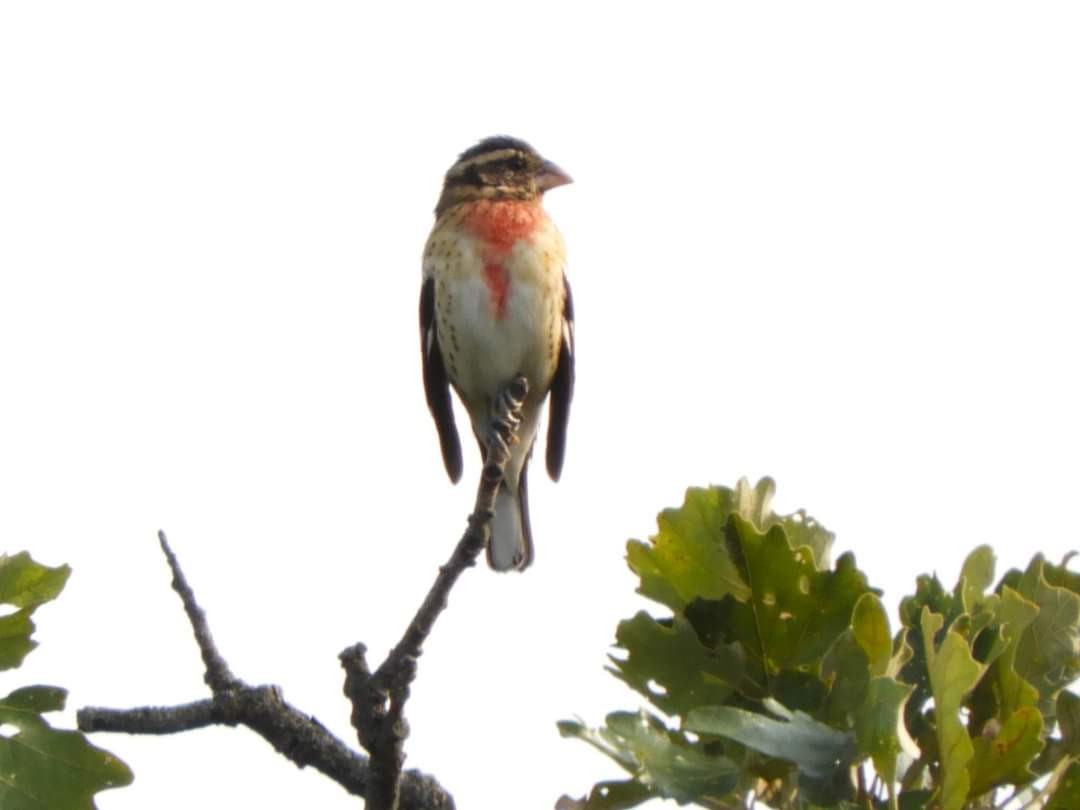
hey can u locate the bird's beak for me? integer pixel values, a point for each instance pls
(551, 176)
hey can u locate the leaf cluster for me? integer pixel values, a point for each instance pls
(42, 767)
(775, 677)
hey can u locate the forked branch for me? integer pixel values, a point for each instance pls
(378, 699)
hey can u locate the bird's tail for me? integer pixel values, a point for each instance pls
(511, 546)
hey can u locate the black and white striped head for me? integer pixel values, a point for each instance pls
(499, 168)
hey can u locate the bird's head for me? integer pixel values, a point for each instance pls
(499, 168)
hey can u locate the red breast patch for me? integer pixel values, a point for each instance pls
(498, 224)
(498, 283)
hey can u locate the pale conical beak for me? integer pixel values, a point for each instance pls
(551, 176)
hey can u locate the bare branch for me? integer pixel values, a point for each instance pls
(150, 719)
(297, 736)
(294, 734)
(217, 677)
(379, 699)
(475, 538)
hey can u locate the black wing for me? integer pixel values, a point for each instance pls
(562, 390)
(437, 385)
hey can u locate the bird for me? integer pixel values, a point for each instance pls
(494, 304)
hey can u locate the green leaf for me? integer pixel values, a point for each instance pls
(754, 504)
(901, 655)
(15, 642)
(930, 593)
(688, 558)
(668, 664)
(976, 673)
(1048, 650)
(804, 532)
(609, 796)
(600, 740)
(1011, 691)
(1003, 758)
(1066, 796)
(916, 799)
(818, 750)
(48, 768)
(910, 654)
(990, 632)
(799, 690)
(38, 699)
(1002, 691)
(870, 626)
(976, 575)
(846, 671)
(1060, 576)
(879, 726)
(1014, 614)
(1068, 717)
(665, 762)
(26, 585)
(953, 673)
(794, 612)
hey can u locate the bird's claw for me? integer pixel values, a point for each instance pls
(508, 413)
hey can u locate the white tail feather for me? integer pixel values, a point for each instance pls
(508, 548)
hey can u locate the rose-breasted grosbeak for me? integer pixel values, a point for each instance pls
(495, 304)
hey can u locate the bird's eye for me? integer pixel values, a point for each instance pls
(517, 163)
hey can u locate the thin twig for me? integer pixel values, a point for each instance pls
(379, 699)
(217, 676)
(475, 538)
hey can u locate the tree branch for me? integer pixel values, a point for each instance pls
(294, 734)
(378, 699)
(217, 677)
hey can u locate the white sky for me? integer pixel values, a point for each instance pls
(836, 245)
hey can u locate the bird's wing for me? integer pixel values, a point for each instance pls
(562, 390)
(437, 385)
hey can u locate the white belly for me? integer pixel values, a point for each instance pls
(487, 348)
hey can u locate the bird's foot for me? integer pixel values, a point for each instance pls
(507, 418)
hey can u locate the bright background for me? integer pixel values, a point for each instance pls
(835, 243)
